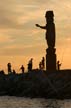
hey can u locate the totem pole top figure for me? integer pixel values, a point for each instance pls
(50, 29)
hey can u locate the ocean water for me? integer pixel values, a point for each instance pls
(21, 102)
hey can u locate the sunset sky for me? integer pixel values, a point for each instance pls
(21, 40)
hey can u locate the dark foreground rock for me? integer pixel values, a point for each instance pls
(37, 83)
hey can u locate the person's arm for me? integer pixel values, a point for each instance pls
(43, 27)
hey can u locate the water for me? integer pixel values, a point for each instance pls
(21, 102)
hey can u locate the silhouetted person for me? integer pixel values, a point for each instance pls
(22, 68)
(2, 72)
(50, 29)
(58, 65)
(40, 66)
(9, 68)
(30, 64)
(14, 72)
(43, 62)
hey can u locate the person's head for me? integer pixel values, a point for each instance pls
(43, 58)
(31, 59)
(58, 61)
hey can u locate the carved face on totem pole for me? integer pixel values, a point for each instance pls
(50, 29)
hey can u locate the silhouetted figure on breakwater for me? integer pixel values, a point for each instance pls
(9, 68)
(14, 72)
(43, 62)
(50, 38)
(30, 64)
(40, 66)
(22, 68)
(2, 72)
(58, 65)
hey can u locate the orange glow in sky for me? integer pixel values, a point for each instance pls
(20, 39)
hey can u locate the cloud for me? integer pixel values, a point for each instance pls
(16, 50)
(18, 34)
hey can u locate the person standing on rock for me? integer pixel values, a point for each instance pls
(22, 68)
(43, 62)
(58, 65)
(9, 68)
(30, 64)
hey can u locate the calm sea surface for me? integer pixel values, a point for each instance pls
(18, 102)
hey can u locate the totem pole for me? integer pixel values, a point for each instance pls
(50, 39)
